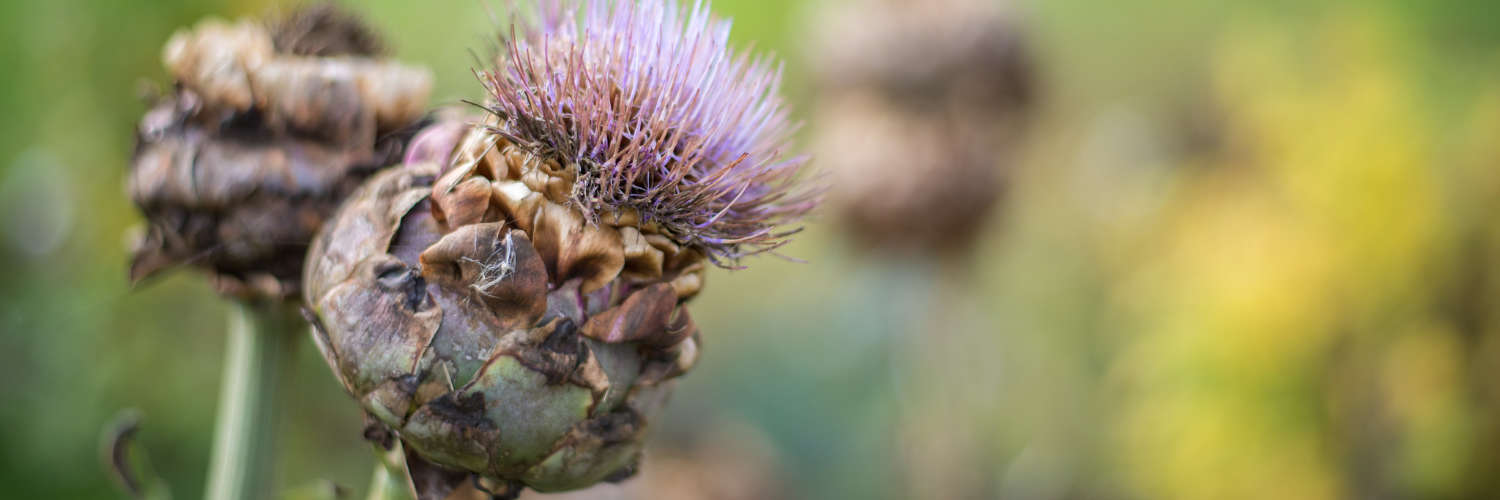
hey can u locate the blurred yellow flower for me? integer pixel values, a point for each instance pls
(1283, 270)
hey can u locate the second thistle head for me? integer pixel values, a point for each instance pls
(511, 302)
(265, 130)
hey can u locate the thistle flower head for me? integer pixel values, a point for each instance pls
(511, 303)
(659, 114)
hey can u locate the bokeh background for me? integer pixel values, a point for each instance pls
(1251, 250)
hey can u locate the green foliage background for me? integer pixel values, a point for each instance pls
(1252, 251)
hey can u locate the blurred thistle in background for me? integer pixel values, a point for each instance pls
(920, 108)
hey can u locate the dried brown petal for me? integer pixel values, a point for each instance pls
(642, 261)
(313, 97)
(642, 317)
(215, 58)
(669, 364)
(465, 203)
(505, 270)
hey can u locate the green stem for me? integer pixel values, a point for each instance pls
(389, 480)
(260, 339)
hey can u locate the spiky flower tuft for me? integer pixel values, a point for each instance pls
(660, 116)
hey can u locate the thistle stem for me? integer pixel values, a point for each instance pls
(260, 339)
(387, 482)
(389, 479)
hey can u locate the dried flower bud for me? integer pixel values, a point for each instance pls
(920, 109)
(496, 304)
(265, 131)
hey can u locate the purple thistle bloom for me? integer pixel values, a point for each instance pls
(660, 115)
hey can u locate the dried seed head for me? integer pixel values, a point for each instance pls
(921, 106)
(658, 116)
(238, 166)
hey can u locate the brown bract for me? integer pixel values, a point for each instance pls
(237, 167)
(479, 316)
(922, 107)
(325, 30)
